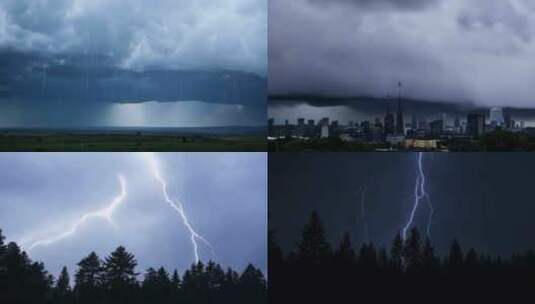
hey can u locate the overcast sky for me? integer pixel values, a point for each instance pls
(478, 51)
(137, 34)
(60, 56)
(483, 199)
(224, 195)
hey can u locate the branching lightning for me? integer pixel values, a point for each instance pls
(105, 213)
(420, 193)
(177, 206)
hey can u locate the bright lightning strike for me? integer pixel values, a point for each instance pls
(419, 194)
(177, 206)
(105, 213)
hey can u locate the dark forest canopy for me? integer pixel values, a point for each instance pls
(114, 279)
(407, 271)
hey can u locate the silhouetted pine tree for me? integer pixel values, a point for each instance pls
(62, 291)
(157, 286)
(120, 277)
(23, 281)
(176, 287)
(396, 253)
(412, 255)
(252, 285)
(455, 258)
(89, 280)
(430, 263)
(313, 247)
(230, 284)
(345, 254)
(3, 269)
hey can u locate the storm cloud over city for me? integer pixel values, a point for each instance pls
(115, 63)
(463, 52)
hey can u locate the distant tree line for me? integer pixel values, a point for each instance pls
(115, 280)
(408, 272)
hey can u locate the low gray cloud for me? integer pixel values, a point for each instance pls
(476, 52)
(381, 4)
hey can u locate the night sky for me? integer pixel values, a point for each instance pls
(483, 199)
(458, 51)
(79, 63)
(223, 195)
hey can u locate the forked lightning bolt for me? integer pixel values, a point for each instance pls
(419, 194)
(177, 206)
(105, 213)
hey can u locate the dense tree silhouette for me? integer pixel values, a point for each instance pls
(313, 247)
(89, 280)
(409, 271)
(115, 280)
(412, 255)
(62, 292)
(23, 281)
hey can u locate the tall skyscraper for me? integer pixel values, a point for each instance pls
(475, 125)
(271, 122)
(437, 127)
(324, 131)
(400, 125)
(311, 126)
(508, 119)
(414, 123)
(443, 118)
(390, 127)
(457, 125)
(496, 117)
(301, 127)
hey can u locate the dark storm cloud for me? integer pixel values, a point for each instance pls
(35, 77)
(456, 51)
(94, 54)
(137, 34)
(34, 82)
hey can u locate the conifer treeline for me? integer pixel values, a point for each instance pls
(114, 280)
(409, 271)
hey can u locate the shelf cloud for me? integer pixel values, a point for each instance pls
(477, 52)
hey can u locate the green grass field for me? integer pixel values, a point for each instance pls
(125, 142)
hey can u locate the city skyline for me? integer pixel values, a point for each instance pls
(450, 118)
